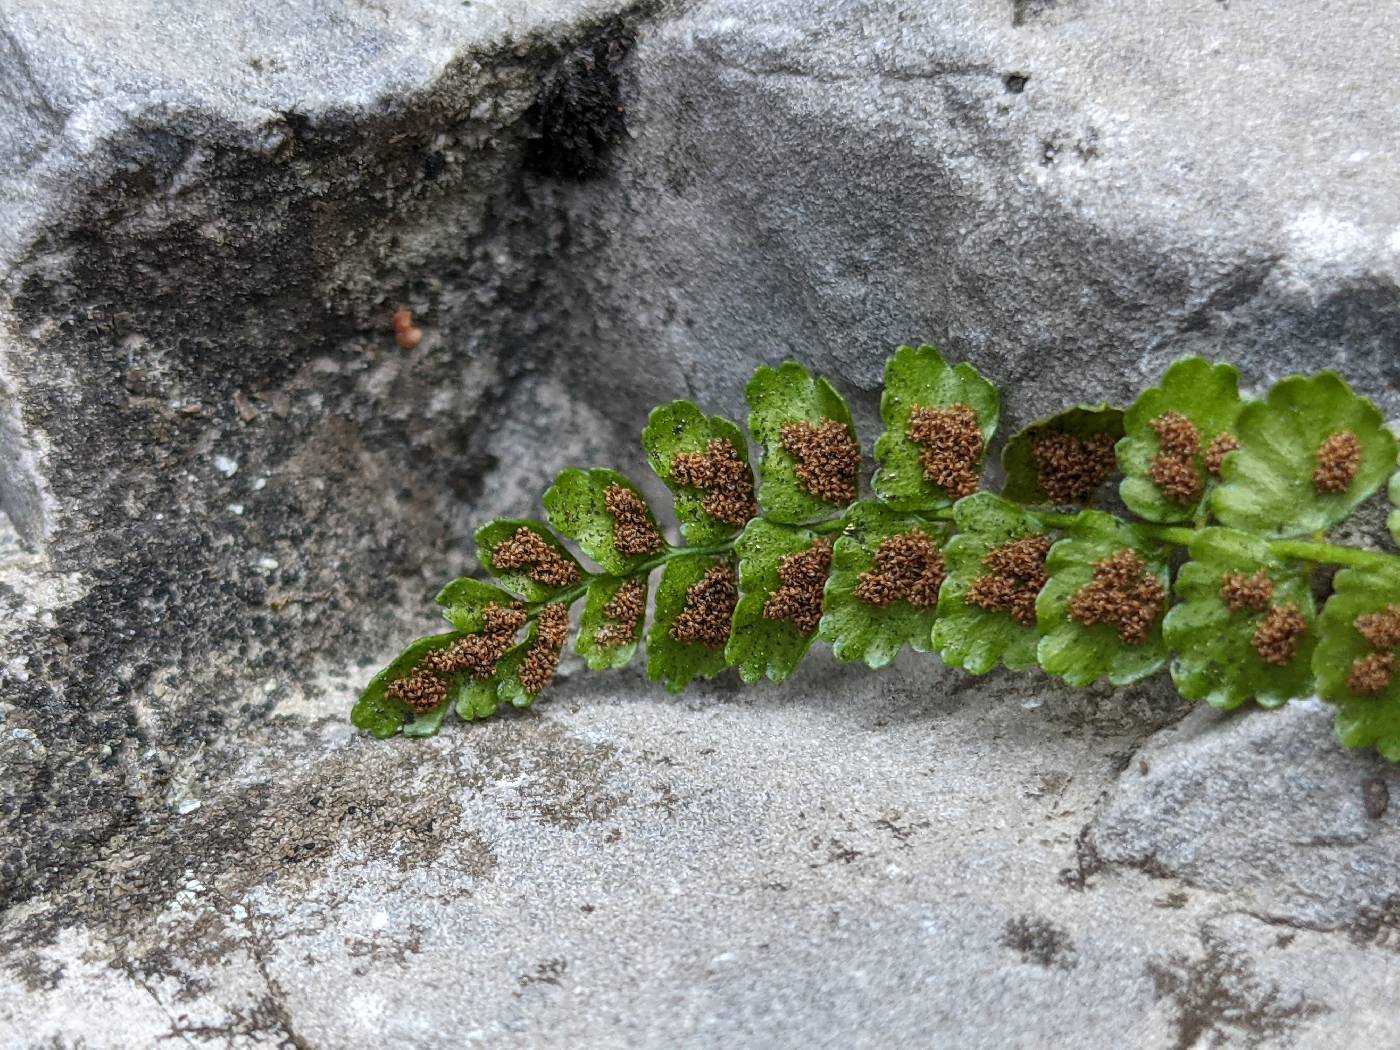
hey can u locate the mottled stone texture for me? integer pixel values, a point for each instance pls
(242, 473)
(233, 494)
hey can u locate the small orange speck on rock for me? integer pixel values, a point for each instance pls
(405, 333)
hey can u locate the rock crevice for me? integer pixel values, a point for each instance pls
(238, 493)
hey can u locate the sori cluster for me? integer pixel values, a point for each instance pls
(1216, 575)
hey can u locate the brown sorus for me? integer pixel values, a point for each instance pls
(1220, 447)
(1277, 636)
(405, 333)
(1015, 574)
(634, 533)
(476, 654)
(1337, 460)
(908, 567)
(801, 580)
(422, 690)
(542, 658)
(723, 476)
(1380, 629)
(502, 619)
(1022, 558)
(996, 593)
(1071, 468)
(828, 458)
(1240, 592)
(1177, 477)
(623, 613)
(1177, 434)
(709, 609)
(1370, 674)
(479, 653)
(1122, 594)
(950, 445)
(543, 562)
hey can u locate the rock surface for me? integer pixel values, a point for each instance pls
(233, 495)
(1255, 807)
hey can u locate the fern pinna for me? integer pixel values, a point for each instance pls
(1213, 576)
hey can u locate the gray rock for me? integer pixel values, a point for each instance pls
(233, 496)
(1267, 808)
(216, 442)
(1069, 202)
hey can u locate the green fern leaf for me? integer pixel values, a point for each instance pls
(763, 644)
(1206, 395)
(1216, 656)
(1082, 653)
(521, 579)
(789, 492)
(607, 635)
(670, 659)
(974, 637)
(474, 700)
(919, 377)
(382, 715)
(577, 505)
(1393, 521)
(1097, 426)
(1371, 717)
(510, 688)
(465, 599)
(464, 602)
(856, 628)
(429, 724)
(681, 427)
(1271, 488)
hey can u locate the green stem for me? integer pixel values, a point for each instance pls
(823, 528)
(645, 568)
(1182, 535)
(1175, 535)
(1331, 554)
